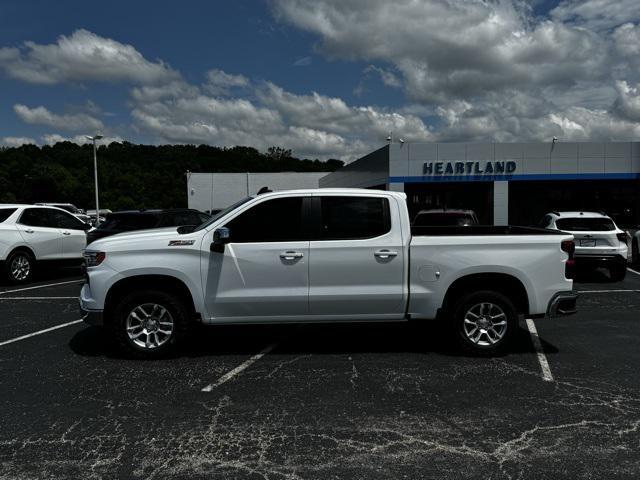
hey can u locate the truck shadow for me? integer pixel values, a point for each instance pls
(318, 339)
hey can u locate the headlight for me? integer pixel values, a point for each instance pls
(93, 258)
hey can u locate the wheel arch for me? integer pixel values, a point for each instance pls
(163, 283)
(504, 283)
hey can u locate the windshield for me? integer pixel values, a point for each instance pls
(443, 220)
(585, 224)
(222, 213)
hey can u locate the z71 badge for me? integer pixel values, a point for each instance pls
(180, 243)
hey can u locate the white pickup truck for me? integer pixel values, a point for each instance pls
(324, 255)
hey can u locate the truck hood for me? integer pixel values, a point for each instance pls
(150, 237)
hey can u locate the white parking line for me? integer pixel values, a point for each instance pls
(542, 359)
(40, 332)
(633, 271)
(40, 286)
(38, 298)
(229, 375)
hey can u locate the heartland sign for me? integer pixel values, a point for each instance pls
(469, 168)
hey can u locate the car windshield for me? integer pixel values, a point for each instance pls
(443, 220)
(222, 213)
(129, 221)
(585, 224)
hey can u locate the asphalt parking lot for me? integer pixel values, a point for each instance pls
(320, 401)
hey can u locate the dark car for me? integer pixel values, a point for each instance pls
(445, 218)
(127, 221)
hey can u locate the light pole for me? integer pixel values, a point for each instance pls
(95, 172)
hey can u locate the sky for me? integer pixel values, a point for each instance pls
(325, 78)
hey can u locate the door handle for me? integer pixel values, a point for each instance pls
(385, 254)
(291, 255)
(28, 230)
(66, 233)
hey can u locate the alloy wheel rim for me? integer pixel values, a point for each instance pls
(149, 326)
(485, 324)
(20, 267)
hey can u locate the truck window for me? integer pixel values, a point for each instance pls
(353, 218)
(277, 220)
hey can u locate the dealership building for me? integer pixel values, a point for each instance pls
(505, 183)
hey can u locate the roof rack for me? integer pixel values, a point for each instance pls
(556, 213)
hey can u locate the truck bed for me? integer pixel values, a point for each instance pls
(480, 230)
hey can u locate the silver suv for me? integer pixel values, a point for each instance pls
(599, 242)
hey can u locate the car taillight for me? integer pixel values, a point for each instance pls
(623, 237)
(93, 259)
(569, 246)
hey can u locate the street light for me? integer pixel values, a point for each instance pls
(95, 171)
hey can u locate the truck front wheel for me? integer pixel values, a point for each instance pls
(148, 324)
(484, 322)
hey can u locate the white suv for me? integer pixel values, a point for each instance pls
(599, 242)
(30, 234)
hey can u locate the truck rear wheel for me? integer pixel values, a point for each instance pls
(149, 324)
(485, 322)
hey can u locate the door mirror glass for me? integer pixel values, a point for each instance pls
(221, 236)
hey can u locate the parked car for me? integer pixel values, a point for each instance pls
(72, 209)
(599, 242)
(101, 215)
(126, 221)
(325, 255)
(31, 235)
(442, 217)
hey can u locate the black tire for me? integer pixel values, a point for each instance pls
(491, 341)
(635, 253)
(19, 267)
(122, 318)
(618, 273)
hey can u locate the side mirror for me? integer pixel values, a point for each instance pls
(87, 226)
(221, 236)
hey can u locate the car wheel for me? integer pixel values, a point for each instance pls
(485, 322)
(19, 267)
(618, 273)
(635, 254)
(149, 324)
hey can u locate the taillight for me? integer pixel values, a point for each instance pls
(569, 246)
(623, 237)
(93, 259)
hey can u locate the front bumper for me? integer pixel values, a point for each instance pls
(561, 304)
(92, 317)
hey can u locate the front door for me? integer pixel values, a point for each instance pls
(74, 237)
(357, 258)
(263, 271)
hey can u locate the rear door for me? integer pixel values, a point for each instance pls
(40, 233)
(264, 271)
(74, 236)
(356, 268)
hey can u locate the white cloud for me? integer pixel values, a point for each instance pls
(53, 138)
(17, 141)
(42, 116)
(597, 14)
(83, 56)
(221, 83)
(447, 49)
(312, 125)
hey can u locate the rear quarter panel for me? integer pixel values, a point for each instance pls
(536, 260)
